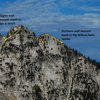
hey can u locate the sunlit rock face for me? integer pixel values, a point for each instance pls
(43, 68)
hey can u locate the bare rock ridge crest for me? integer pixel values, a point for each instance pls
(43, 68)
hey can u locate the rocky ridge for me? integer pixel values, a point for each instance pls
(43, 68)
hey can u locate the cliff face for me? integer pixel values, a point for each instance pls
(43, 68)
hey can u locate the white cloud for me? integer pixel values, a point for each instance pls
(36, 12)
(92, 9)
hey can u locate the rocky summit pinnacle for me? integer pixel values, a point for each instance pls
(43, 68)
(19, 29)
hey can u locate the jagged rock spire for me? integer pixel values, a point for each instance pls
(20, 29)
(44, 69)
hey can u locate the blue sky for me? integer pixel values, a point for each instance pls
(51, 16)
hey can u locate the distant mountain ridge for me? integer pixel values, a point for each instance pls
(43, 68)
